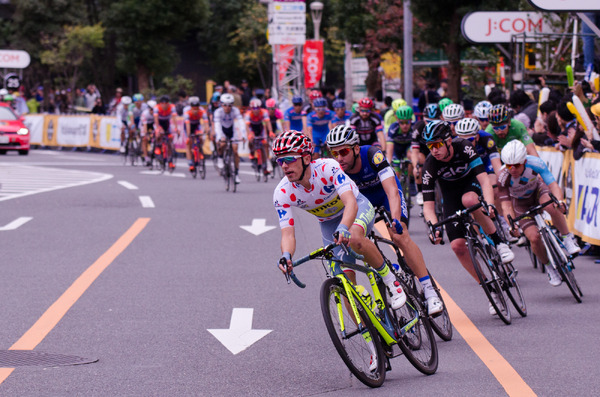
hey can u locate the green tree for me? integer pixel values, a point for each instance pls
(439, 25)
(68, 51)
(374, 24)
(144, 31)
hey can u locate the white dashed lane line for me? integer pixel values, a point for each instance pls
(146, 202)
(127, 185)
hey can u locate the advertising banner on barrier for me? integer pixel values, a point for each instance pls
(586, 197)
(553, 158)
(35, 125)
(73, 131)
(108, 135)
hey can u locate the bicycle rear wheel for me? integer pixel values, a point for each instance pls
(488, 280)
(357, 347)
(513, 289)
(440, 323)
(563, 263)
(418, 343)
(133, 151)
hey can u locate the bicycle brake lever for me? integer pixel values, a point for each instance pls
(283, 262)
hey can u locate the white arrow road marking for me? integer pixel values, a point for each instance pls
(258, 227)
(16, 223)
(240, 334)
(127, 185)
(146, 202)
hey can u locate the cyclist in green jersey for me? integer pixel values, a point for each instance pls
(504, 129)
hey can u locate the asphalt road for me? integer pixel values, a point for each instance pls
(137, 289)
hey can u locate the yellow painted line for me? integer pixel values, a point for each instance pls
(506, 375)
(56, 312)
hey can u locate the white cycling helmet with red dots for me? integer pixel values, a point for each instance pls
(292, 142)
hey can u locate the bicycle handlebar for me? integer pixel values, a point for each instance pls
(460, 214)
(316, 254)
(537, 208)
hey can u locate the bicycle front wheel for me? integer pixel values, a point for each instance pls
(440, 323)
(418, 343)
(563, 263)
(513, 289)
(360, 348)
(488, 280)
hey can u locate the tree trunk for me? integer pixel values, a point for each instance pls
(143, 77)
(453, 53)
(373, 81)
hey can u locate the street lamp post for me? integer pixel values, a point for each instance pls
(316, 11)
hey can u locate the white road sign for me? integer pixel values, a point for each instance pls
(566, 5)
(295, 6)
(287, 29)
(499, 26)
(296, 18)
(14, 59)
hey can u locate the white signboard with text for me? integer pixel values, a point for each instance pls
(566, 5)
(73, 131)
(287, 22)
(14, 59)
(500, 26)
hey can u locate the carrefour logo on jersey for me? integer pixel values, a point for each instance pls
(341, 178)
(281, 213)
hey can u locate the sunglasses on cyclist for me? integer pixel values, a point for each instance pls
(403, 122)
(452, 122)
(226, 106)
(255, 108)
(470, 138)
(321, 109)
(500, 127)
(342, 152)
(510, 166)
(483, 119)
(287, 159)
(435, 145)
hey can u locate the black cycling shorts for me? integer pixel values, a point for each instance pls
(452, 196)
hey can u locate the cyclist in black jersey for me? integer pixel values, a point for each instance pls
(419, 150)
(462, 179)
(368, 125)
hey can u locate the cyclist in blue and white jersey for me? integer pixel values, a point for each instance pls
(368, 168)
(525, 181)
(228, 125)
(342, 116)
(122, 113)
(294, 117)
(317, 123)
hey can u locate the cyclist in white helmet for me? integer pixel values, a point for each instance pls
(228, 125)
(451, 114)
(482, 113)
(524, 182)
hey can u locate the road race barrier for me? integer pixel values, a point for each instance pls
(580, 181)
(85, 131)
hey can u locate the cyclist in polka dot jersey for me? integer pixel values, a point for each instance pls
(322, 188)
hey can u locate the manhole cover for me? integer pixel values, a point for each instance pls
(24, 358)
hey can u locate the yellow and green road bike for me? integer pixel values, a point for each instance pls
(366, 331)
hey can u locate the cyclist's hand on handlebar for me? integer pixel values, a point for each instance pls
(397, 226)
(435, 237)
(285, 265)
(561, 206)
(342, 235)
(491, 209)
(514, 231)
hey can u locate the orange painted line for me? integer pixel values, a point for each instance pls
(57, 311)
(506, 375)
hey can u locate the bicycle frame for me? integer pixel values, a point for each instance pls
(381, 320)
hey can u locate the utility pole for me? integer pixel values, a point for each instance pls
(408, 56)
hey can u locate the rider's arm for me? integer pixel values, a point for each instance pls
(288, 240)
(486, 187)
(531, 150)
(350, 208)
(496, 164)
(389, 151)
(391, 190)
